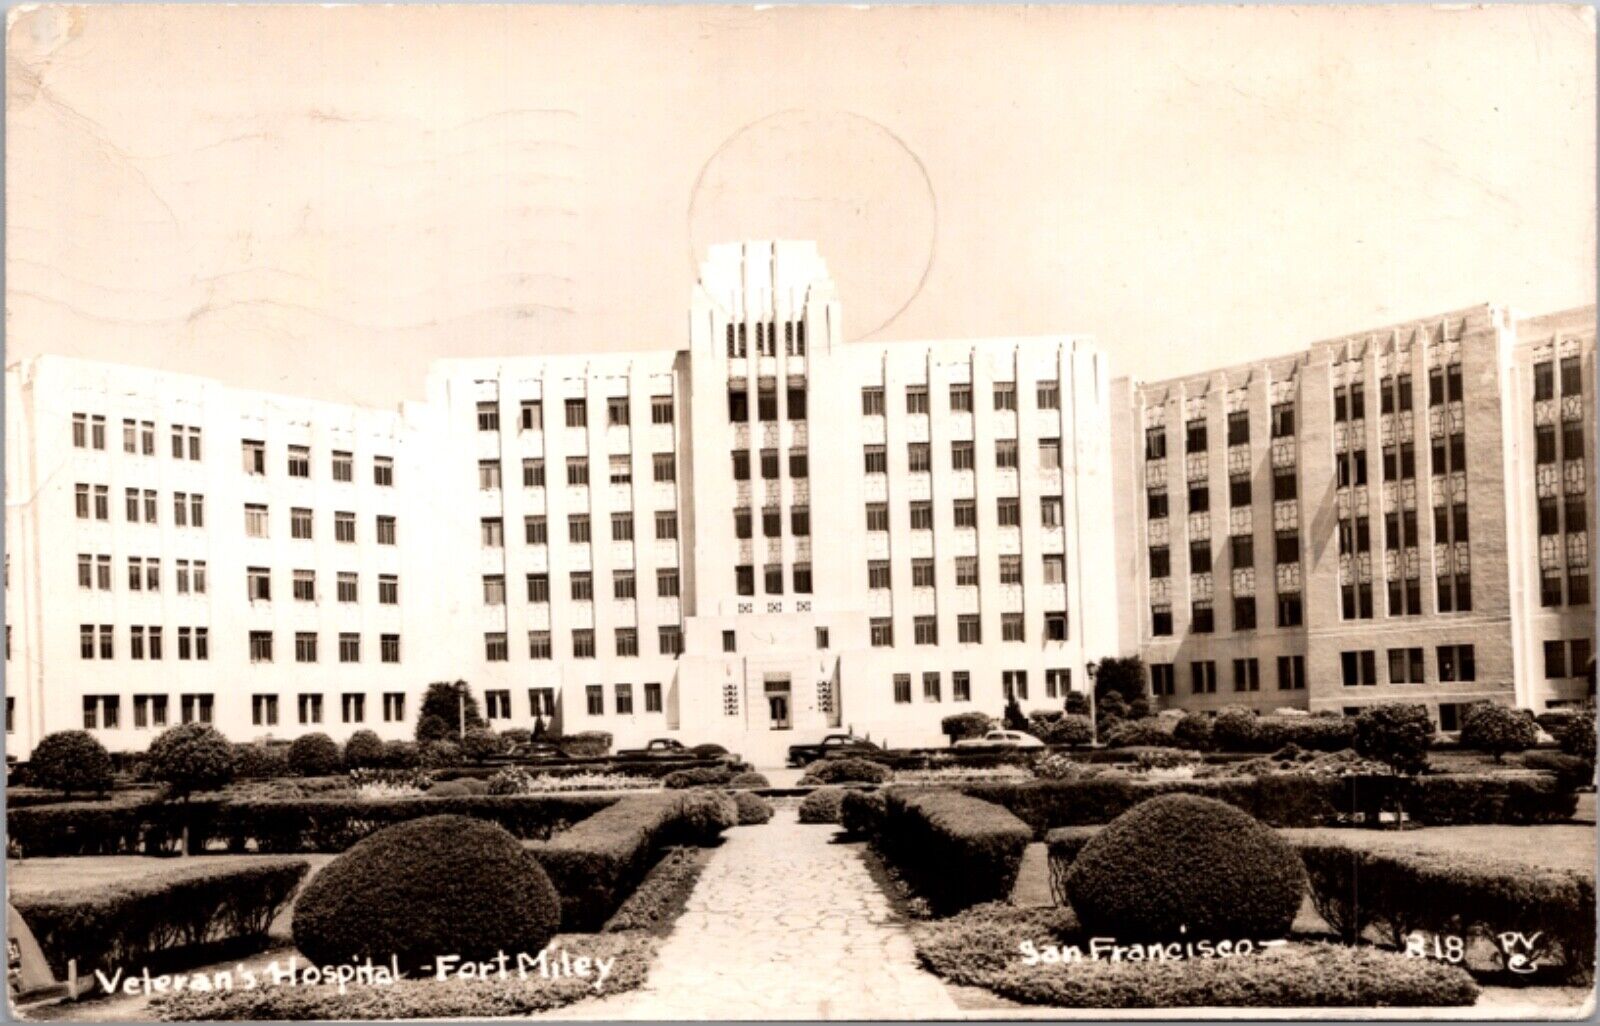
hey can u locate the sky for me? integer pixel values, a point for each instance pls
(323, 200)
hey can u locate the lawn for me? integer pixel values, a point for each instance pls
(34, 876)
(1551, 847)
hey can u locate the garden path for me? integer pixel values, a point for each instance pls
(783, 924)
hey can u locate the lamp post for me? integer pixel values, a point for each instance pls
(1093, 668)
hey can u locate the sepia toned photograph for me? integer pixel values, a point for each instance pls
(868, 513)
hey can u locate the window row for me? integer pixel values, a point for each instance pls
(969, 628)
(1008, 513)
(919, 456)
(530, 415)
(766, 401)
(104, 712)
(1047, 396)
(138, 437)
(623, 586)
(1456, 663)
(257, 524)
(541, 701)
(1241, 552)
(342, 463)
(1246, 676)
(1544, 378)
(664, 469)
(1564, 659)
(536, 529)
(799, 464)
(922, 571)
(794, 339)
(144, 642)
(1202, 614)
(306, 647)
(1197, 436)
(744, 579)
(258, 586)
(497, 647)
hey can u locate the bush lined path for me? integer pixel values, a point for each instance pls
(783, 924)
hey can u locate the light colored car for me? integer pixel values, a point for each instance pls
(1002, 739)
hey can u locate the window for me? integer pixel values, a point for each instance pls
(136, 642)
(532, 415)
(769, 464)
(394, 707)
(902, 688)
(1283, 484)
(299, 461)
(489, 416)
(258, 581)
(349, 648)
(577, 413)
(1014, 683)
(488, 475)
(878, 574)
(621, 471)
(386, 530)
(664, 467)
(1291, 673)
(960, 398)
(1155, 443)
(1239, 427)
(1202, 618)
(1200, 556)
(1048, 395)
(347, 586)
(617, 411)
(343, 466)
(80, 430)
(1405, 666)
(494, 590)
(344, 527)
(930, 687)
(767, 401)
(261, 646)
(1049, 454)
(538, 588)
(772, 522)
(623, 584)
(263, 710)
(1155, 502)
(738, 405)
(578, 470)
(578, 528)
(966, 515)
(1246, 675)
(1055, 625)
(1011, 627)
(1195, 436)
(1571, 376)
(661, 409)
(1286, 547)
(388, 589)
(670, 640)
(919, 457)
(300, 524)
(255, 520)
(1160, 561)
(102, 502)
(1203, 677)
(254, 453)
(491, 532)
(533, 473)
(1005, 453)
(627, 639)
(1283, 420)
(1244, 612)
(917, 399)
(539, 646)
(744, 577)
(494, 647)
(729, 642)
(1289, 609)
(1009, 512)
(1049, 512)
(1005, 395)
(882, 631)
(583, 643)
(1359, 668)
(305, 585)
(922, 516)
(1011, 569)
(582, 586)
(876, 459)
(773, 574)
(305, 647)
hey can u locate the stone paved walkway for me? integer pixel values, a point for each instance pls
(783, 924)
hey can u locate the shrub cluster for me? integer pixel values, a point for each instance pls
(1571, 771)
(1236, 729)
(749, 780)
(70, 761)
(955, 850)
(123, 924)
(822, 805)
(752, 807)
(364, 750)
(862, 813)
(846, 771)
(433, 886)
(699, 776)
(704, 815)
(966, 725)
(1184, 866)
(1496, 729)
(260, 761)
(1396, 733)
(597, 863)
(1400, 891)
(279, 826)
(314, 755)
(190, 757)
(586, 743)
(1147, 731)
(1193, 731)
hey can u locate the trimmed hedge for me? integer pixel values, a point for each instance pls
(121, 925)
(1295, 800)
(822, 805)
(956, 850)
(443, 885)
(597, 863)
(1061, 847)
(753, 808)
(862, 813)
(271, 826)
(701, 776)
(846, 770)
(1571, 771)
(1397, 892)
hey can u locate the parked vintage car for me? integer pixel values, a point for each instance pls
(1001, 739)
(844, 744)
(659, 747)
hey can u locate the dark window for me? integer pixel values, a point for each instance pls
(1195, 436)
(1161, 621)
(1156, 503)
(1544, 443)
(1544, 381)
(1242, 551)
(1160, 561)
(1283, 420)
(1244, 612)
(1155, 443)
(1289, 612)
(1202, 618)
(1199, 499)
(1239, 427)
(1286, 547)
(1200, 557)
(1571, 376)
(738, 405)
(1283, 485)
(1239, 494)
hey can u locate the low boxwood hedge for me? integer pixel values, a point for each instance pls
(273, 826)
(1570, 771)
(597, 863)
(121, 925)
(1399, 891)
(862, 813)
(983, 947)
(955, 850)
(1061, 847)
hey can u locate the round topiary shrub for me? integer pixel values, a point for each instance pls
(260, 762)
(862, 812)
(1182, 866)
(190, 757)
(822, 805)
(442, 885)
(1577, 737)
(1129, 733)
(439, 755)
(1077, 703)
(749, 780)
(753, 808)
(966, 725)
(1496, 730)
(846, 771)
(1234, 730)
(314, 755)
(401, 755)
(1396, 733)
(364, 750)
(704, 815)
(70, 761)
(1193, 731)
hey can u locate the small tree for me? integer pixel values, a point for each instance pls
(432, 728)
(1193, 731)
(1014, 719)
(1234, 730)
(1121, 676)
(1497, 730)
(313, 755)
(966, 725)
(70, 761)
(445, 701)
(480, 743)
(1110, 708)
(401, 755)
(364, 750)
(1578, 736)
(1071, 729)
(1077, 703)
(190, 757)
(1395, 733)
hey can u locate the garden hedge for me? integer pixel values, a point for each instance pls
(956, 850)
(1295, 800)
(597, 863)
(1061, 847)
(122, 925)
(271, 826)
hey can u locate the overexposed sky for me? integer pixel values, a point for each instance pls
(321, 200)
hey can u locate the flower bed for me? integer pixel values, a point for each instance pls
(123, 924)
(983, 947)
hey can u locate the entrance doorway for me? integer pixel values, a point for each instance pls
(777, 689)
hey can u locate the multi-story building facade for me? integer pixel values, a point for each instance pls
(1402, 514)
(632, 542)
